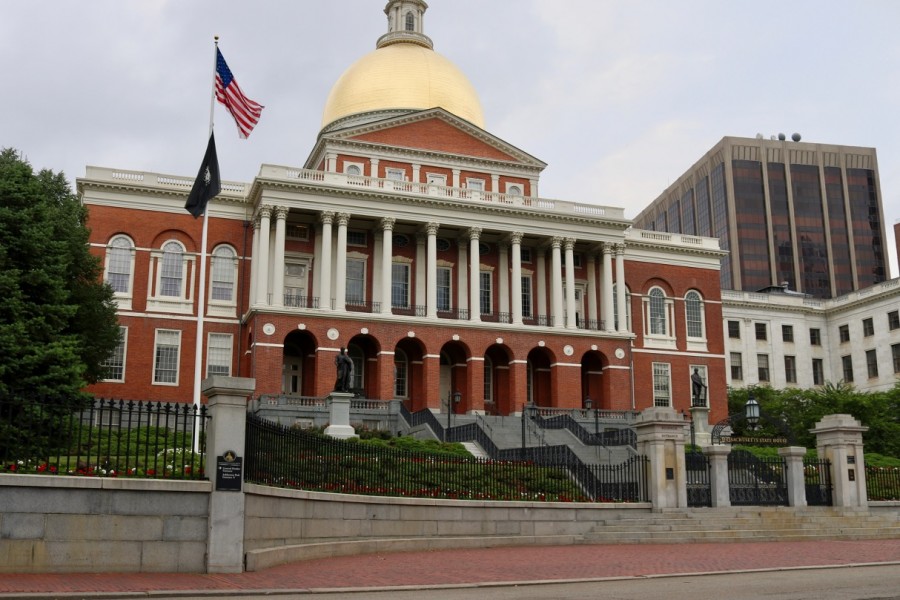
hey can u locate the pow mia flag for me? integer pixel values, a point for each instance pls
(208, 183)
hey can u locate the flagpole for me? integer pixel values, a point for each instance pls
(201, 294)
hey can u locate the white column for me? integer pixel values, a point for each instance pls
(416, 169)
(431, 230)
(387, 259)
(516, 241)
(620, 288)
(254, 264)
(503, 278)
(340, 266)
(570, 283)
(534, 188)
(541, 274)
(278, 264)
(474, 234)
(325, 262)
(607, 290)
(556, 289)
(456, 177)
(462, 278)
(421, 252)
(593, 319)
(373, 167)
(331, 162)
(265, 224)
(495, 183)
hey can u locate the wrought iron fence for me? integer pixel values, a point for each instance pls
(699, 489)
(883, 483)
(756, 481)
(288, 457)
(102, 438)
(817, 479)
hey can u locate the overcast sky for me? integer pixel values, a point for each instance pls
(619, 98)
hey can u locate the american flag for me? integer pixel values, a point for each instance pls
(244, 110)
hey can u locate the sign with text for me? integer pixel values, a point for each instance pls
(229, 472)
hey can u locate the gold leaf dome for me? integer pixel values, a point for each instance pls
(402, 76)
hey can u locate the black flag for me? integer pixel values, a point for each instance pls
(208, 183)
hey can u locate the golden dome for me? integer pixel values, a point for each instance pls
(403, 76)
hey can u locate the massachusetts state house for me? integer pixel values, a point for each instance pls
(422, 244)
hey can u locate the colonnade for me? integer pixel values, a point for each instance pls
(330, 272)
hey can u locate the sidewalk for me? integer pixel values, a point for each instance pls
(482, 566)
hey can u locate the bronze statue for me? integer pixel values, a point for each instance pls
(697, 386)
(344, 366)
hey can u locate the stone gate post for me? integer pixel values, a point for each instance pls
(719, 490)
(839, 439)
(660, 437)
(794, 476)
(224, 459)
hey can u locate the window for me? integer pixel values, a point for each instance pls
(895, 354)
(762, 367)
(224, 270)
(526, 255)
(356, 237)
(444, 289)
(790, 369)
(657, 312)
(872, 363)
(514, 189)
(399, 240)
(297, 231)
(693, 308)
(218, 354)
(844, 333)
(787, 333)
(115, 364)
(476, 185)
(484, 294)
(762, 332)
(847, 365)
(734, 330)
(395, 174)
(356, 281)
(436, 179)
(165, 361)
(401, 374)
(661, 384)
(815, 336)
(868, 327)
(295, 271)
(410, 21)
(443, 244)
(894, 320)
(400, 285)
(818, 371)
(526, 296)
(737, 368)
(353, 169)
(119, 263)
(488, 380)
(172, 272)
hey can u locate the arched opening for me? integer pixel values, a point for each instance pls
(298, 364)
(454, 377)
(592, 380)
(540, 377)
(363, 350)
(497, 382)
(409, 376)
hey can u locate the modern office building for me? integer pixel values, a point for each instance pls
(418, 241)
(792, 213)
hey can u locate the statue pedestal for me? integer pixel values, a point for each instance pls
(339, 405)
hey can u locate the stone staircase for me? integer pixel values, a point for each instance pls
(745, 524)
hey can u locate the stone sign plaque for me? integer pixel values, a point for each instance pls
(229, 473)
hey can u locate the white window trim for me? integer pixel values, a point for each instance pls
(177, 359)
(667, 338)
(515, 189)
(436, 179)
(358, 256)
(395, 174)
(668, 374)
(124, 330)
(696, 344)
(400, 357)
(122, 299)
(408, 267)
(209, 338)
(223, 308)
(449, 269)
(183, 304)
(358, 165)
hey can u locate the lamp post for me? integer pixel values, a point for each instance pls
(751, 412)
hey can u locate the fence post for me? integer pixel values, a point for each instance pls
(719, 489)
(224, 455)
(795, 478)
(660, 437)
(839, 439)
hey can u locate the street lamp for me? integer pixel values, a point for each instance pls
(751, 412)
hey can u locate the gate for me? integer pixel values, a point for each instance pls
(698, 485)
(817, 477)
(756, 481)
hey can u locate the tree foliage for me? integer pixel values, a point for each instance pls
(800, 410)
(58, 319)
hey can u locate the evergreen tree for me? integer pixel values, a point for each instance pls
(58, 319)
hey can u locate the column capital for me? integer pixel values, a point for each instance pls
(326, 217)
(432, 228)
(620, 248)
(608, 248)
(516, 237)
(556, 242)
(265, 211)
(570, 243)
(473, 233)
(281, 212)
(387, 223)
(343, 218)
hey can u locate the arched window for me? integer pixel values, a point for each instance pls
(657, 313)
(172, 272)
(401, 374)
(693, 313)
(353, 170)
(223, 269)
(410, 21)
(119, 264)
